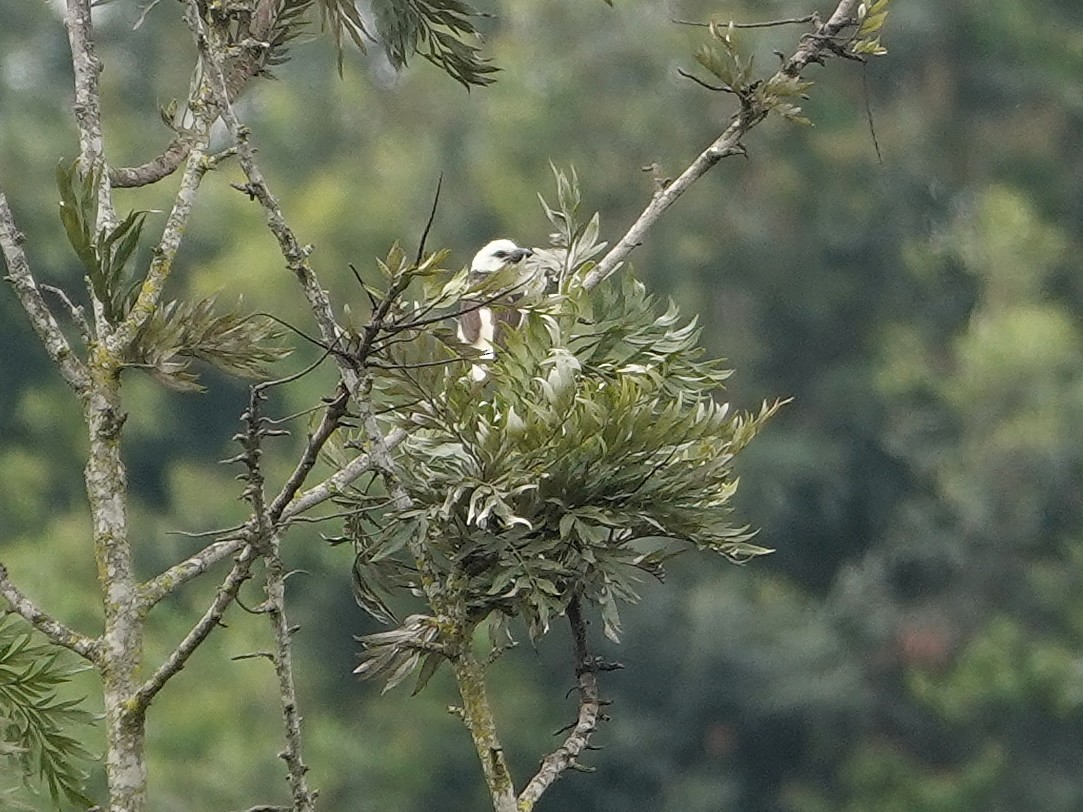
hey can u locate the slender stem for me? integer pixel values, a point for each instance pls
(72, 370)
(812, 49)
(304, 799)
(565, 756)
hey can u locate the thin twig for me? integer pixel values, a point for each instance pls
(71, 369)
(565, 756)
(808, 18)
(338, 481)
(332, 418)
(428, 225)
(812, 49)
(77, 313)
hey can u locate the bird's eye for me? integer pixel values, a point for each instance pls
(500, 254)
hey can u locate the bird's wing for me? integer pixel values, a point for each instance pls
(470, 327)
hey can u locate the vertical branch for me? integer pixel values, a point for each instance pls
(304, 799)
(477, 714)
(88, 113)
(267, 542)
(72, 370)
(122, 640)
(565, 756)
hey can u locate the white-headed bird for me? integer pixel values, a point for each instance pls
(478, 326)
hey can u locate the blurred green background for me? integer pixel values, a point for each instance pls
(915, 641)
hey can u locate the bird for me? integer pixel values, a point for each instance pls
(477, 326)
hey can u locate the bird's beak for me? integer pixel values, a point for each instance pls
(519, 253)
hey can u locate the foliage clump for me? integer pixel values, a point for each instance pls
(594, 450)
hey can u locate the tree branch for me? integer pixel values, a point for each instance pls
(565, 756)
(88, 114)
(150, 292)
(813, 48)
(304, 798)
(338, 481)
(332, 418)
(159, 587)
(225, 595)
(56, 631)
(72, 370)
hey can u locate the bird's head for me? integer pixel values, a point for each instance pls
(497, 255)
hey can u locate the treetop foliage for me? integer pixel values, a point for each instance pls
(593, 451)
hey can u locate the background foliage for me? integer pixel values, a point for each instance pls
(914, 642)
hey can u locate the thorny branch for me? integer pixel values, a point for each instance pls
(813, 48)
(565, 756)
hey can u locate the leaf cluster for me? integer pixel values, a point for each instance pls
(441, 31)
(105, 254)
(232, 341)
(594, 450)
(867, 39)
(34, 721)
(722, 58)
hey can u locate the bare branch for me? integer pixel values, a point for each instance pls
(304, 799)
(56, 631)
(564, 757)
(295, 254)
(157, 588)
(339, 481)
(78, 315)
(71, 368)
(813, 48)
(154, 170)
(332, 418)
(225, 595)
(150, 292)
(808, 18)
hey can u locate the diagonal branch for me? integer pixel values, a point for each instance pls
(56, 631)
(166, 583)
(813, 48)
(225, 595)
(41, 318)
(338, 481)
(565, 756)
(332, 419)
(150, 292)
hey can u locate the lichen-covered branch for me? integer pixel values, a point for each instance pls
(56, 631)
(88, 112)
(71, 369)
(477, 714)
(150, 292)
(167, 582)
(813, 48)
(227, 592)
(565, 756)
